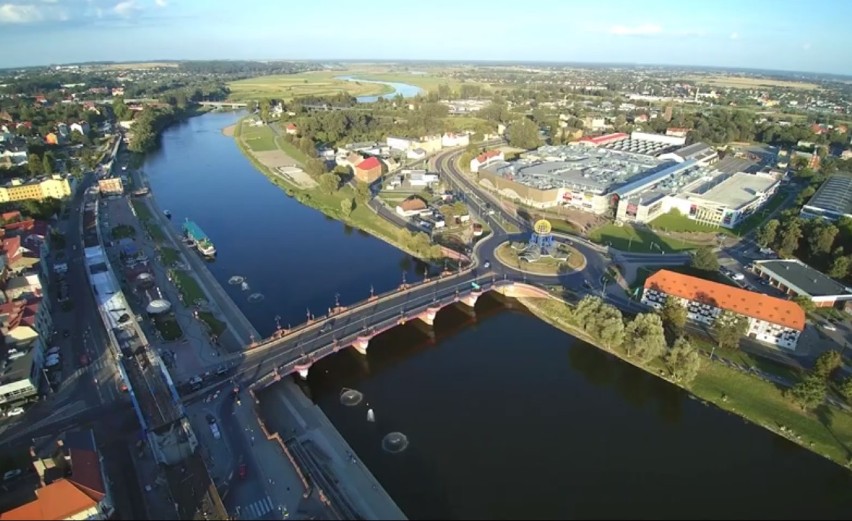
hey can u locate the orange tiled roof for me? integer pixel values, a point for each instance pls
(59, 500)
(748, 303)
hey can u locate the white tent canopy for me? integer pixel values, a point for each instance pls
(158, 306)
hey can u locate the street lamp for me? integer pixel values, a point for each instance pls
(372, 291)
(278, 322)
(337, 300)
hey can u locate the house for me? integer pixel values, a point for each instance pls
(795, 278)
(62, 130)
(677, 131)
(117, 91)
(419, 178)
(81, 126)
(485, 158)
(411, 206)
(14, 153)
(51, 139)
(641, 118)
(72, 480)
(771, 320)
(416, 153)
(400, 143)
(23, 286)
(368, 170)
(291, 129)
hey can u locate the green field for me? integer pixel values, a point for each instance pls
(289, 86)
(170, 256)
(637, 240)
(428, 81)
(286, 147)
(217, 327)
(188, 287)
(168, 327)
(675, 221)
(462, 123)
(258, 139)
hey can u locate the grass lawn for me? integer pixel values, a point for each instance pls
(217, 327)
(563, 226)
(168, 328)
(462, 123)
(289, 86)
(828, 431)
(170, 256)
(188, 287)
(545, 265)
(637, 240)
(258, 139)
(123, 231)
(299, 156)
(141, 209)
(675, 221)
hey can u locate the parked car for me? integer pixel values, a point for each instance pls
(17, 411)
(53, 351)
(487, 264)
(828, 326)
(12, 474)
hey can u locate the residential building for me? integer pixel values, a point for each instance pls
(111, 186)
(51, 138)
(368, 170)
(796, 278)
(486, 158)
(400, 143)
(62, 130)
(455, 140)
(677, 131)
(23, 287)
(412, 206)
(55, 186)
(771, 320)
(416, 153)
(291, 129)
(13, 153)
(72, 481)
(81, 126)
(832, 200)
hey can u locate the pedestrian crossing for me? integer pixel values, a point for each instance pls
(258, 509)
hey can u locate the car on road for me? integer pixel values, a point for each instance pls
(17, 411)
(12, 474)
(828, 326)
(487, 264)
(242, 471)
(222, 369)
(214, 428)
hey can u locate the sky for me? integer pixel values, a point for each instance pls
(792, 35)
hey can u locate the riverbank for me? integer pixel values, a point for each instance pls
(359, 215)
(827, 432)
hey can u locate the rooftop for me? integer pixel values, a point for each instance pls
(641, 146)
(732, 165)
(736, 190)
(755, 305)
(835, 195)
(802, 279)
(368, 164)
(697, 151)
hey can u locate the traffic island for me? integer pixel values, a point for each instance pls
(513, 256)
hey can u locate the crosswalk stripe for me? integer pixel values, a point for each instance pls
(260, 507)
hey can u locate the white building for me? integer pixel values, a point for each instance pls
(771, 320)
(400, 143)
(485, 158)
(416, 153)
(455, 140)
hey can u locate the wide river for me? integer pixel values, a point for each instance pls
(506, 417)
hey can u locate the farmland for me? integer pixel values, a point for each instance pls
(289, 86)
(739, 82)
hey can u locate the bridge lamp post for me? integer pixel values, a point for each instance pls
(337, 300)
(278, 322)
(372, 291)
(403, 278)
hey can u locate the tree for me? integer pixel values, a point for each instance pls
(609, 326)
(645, 337)
(120, 109)
(808, 393)
(683, 361)
(846, 389)
(767, 233)
(804, 302)
(585, 312)
(47, 165)
(705, 259)
(840, 267)
(729, 327)
(827, 363)
(674, 315)
(34, 164)
(821, 239)
(362, 192)
(329, 183)
(524, 134)
(346, 206)
(789, 239)
(263, 107)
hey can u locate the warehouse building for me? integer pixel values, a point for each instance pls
(833, 200)
(795, 278)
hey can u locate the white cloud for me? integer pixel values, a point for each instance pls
(735, 36)
(636, 30)
(125, 8)
(20, 14)
(161, 3)
(806, 46)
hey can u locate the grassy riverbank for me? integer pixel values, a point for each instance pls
(330, 204)
(826, 431)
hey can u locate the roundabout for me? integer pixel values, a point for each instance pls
(541, 255)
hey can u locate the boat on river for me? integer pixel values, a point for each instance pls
(202, 243)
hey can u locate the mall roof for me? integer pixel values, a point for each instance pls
(801, 278)
(835, 195)
(738, 190)
(755, 305)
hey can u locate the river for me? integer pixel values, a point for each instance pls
(506, 416)
(404, 89)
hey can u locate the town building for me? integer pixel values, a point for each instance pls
(51, 138)
(832, 200)
(795, 278)
(368, 170)
(111, 186)
(677, 131)
(291, 129)
(40, 188)
(411, 206)
(81, 126)
(72, 481)
(486, 158)
(770, 320)
(455, 140)
(416, 154)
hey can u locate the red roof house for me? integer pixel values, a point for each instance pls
(368, 170)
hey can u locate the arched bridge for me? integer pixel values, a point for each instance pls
(295, 350)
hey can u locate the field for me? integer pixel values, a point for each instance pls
(289, 86)
(258, 139)
(739, 82)
(637, 239)
(426, 81)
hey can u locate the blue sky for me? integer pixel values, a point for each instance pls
(799, 35)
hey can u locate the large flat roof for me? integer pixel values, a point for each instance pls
(835, 195)
(801, 278)
(739, 189)
(733, 164)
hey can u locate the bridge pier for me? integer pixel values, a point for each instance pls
(470, 299)
(428, 316)
(361, 343)
(302, 369)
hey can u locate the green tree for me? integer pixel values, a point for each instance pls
(346, 206)
(767, 233)
(47, 165)
(840, 267)
(329, 183)
(609, 326)
(264, 108)
(120, 109)
(809, 393)
(789, 238)
(705, 259)
(821, 239)
(34, 164)
(729, 327)
(804, 302)
(674, 315)
(585, 312)
(524, 134)
(683, 361)
(645, 337)
(827, 363)
(846, 389)
(362, 192)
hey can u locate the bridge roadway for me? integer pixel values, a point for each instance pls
(228, 104)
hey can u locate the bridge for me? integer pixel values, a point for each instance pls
(223, 104)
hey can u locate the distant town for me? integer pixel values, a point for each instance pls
(694, 223)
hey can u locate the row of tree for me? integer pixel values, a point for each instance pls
(810, 392)
(817, 242)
